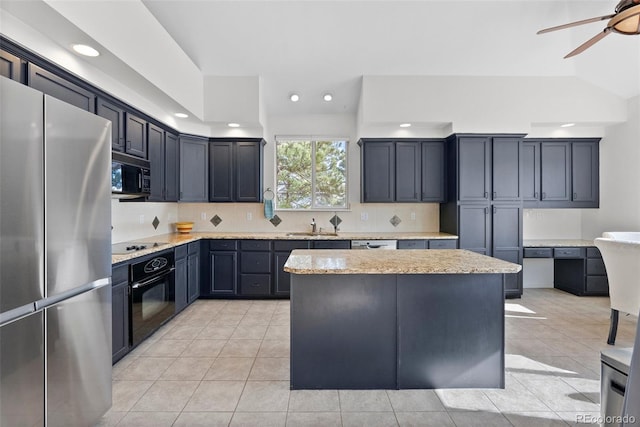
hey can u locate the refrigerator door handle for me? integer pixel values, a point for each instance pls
(16, 313)
(48, 302)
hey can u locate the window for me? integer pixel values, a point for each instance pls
(311, 173)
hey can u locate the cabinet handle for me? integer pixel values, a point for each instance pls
(544, 195)
(486, 195)
(495, 210)
(495, 194)
(255, 285)
(575, 196)
(486, 211)
(535, 195)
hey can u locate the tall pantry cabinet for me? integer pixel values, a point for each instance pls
(484, 200)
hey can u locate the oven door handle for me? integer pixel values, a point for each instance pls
(138, 285)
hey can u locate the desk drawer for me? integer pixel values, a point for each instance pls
(223, 245)
(289, 245)
(412, 244)
(538, 253)
(569, 252)
(595, 267)
(255, 262)
(255, 284)
(443, 244)
(593, 253)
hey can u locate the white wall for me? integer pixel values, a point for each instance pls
(134, 220)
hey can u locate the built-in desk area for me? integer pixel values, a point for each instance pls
(577, 264)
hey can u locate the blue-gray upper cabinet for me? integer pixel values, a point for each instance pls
(235, 173)
(115, 114)
(56, 86)
(433, 166)
(163, 157)
(402, 170)
(194, 169)
(377, 171)
(561, 173)
(135, 135)
(488, 167)
(11, 66)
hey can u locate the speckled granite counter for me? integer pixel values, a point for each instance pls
(168, 241)
(557, 243)
(414, 261)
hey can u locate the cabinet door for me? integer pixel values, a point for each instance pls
(473, 169)
(194, 165)
(181, 284)
(11, 66)
(49, 83)
(584, 172)
(248, 172)
(530, 171)
(475, 228)
(408, 171)
(506, 169)
(193, 277)
(223, 274)
(433, 172)
(221, 162)
(136, 136)
(507, 242)
(331, 244)
(116, 115)
(120, 320)
(378, 172)
(170, 167)
(156, 160)
(555, 171)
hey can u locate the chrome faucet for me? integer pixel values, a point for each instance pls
(313, 225)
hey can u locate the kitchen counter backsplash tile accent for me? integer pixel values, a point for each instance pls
(275, 220)
(395, 220)
(155, 223)
(174, 239)
(216, 220)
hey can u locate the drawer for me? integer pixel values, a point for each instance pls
(255, 262)
(597, 284)
(255, 245)
(595, 266)
(120, 274)
(593, 253)
(443, 244)
(181, 251)
(412, 244)
(569, 252)
(255, 284)
(194, 248)
(289, 245)
(331, 244)
(223, 245)
(538, 253)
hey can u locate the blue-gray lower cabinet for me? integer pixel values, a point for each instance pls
(120, 312)
(193, 272)
(181, 283)
(428, 244)
(282, 249)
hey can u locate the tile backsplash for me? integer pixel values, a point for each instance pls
(133, 220)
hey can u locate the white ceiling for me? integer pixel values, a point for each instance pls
(314, 46)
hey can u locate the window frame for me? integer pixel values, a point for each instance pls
(313, 140)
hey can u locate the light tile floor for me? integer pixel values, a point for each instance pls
(226, 363)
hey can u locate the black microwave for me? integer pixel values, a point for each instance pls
(130, 177)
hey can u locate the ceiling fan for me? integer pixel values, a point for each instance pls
(625, 20)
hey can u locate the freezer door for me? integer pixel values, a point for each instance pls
(79, 359)
(21, 196)
(77, 196)
(22, 372)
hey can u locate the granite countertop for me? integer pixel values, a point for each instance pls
(556, 243)
(168, 241)
(411, 261)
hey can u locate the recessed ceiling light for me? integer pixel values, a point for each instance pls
(327, 97)
(233, 125)
(405, 125)
(85, 50)
(181, 115)
(567, 125)
(294, 97)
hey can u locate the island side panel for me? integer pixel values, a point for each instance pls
(450, 331)
(343, 331)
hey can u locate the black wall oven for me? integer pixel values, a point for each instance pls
(152, 296)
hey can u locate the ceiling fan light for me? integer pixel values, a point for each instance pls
(630, 25)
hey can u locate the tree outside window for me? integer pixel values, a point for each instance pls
(311, 174)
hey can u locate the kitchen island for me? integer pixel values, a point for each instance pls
(397, 319)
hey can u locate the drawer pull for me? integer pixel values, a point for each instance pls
(256, 285)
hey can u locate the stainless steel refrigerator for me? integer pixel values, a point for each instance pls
(55, 261)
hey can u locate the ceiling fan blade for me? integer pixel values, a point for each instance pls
(593, 40)
(575, 24)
